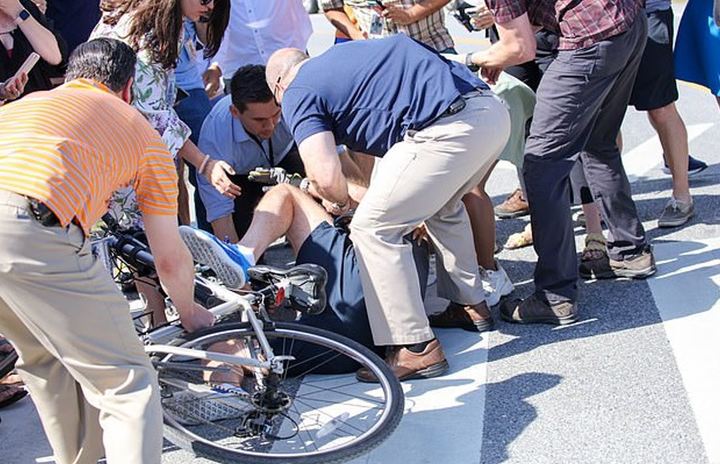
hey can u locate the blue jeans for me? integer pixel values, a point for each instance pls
(192, 111)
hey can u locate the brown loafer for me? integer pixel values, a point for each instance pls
(407, 365)
(515, 205)
(532, 310)
(471, 318)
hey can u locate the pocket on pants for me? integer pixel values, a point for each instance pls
(391, 172)
(75, 237)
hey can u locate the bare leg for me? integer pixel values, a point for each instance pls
(283, 210)
(674, 139)
(183, 196)
(155, 301)
(593, 224)
(482, 220)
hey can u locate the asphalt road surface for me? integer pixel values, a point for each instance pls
(635, 381)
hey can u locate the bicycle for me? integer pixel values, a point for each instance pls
(259, 391)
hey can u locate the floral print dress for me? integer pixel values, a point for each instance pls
(154, 93)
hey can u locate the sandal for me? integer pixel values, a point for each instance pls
(11, 394)
(594, 259)
(520, 239)
(595, 248)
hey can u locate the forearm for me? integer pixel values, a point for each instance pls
(516, 45)
(501, 55)
(192, 154)
(332, 188)
(177, 275)
(323, 167)
(343, 23)
(42, 40)
(224, 229)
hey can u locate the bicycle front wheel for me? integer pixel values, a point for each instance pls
(315, 412)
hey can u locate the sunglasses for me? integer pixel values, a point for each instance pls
(205, 2)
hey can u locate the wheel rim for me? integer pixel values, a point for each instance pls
(328, 413)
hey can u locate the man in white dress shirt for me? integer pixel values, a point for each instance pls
(257, 28)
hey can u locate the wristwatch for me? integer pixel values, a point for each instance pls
(469, 63)
(22, 17)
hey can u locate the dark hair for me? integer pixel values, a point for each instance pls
(248, 85)
(157, 27)
(107, 61)
(216, 25)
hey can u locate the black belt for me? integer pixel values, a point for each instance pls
(455, 107)
(42, 213)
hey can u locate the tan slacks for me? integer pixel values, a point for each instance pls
(422, 179)
(93, 386)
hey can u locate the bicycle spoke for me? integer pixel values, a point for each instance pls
(332, 417)
(318, 400)
(321, 389)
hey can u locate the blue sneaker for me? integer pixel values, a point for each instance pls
(223, 258)
(694, 166)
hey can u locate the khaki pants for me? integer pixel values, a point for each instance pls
(422, 179)
(85, 368)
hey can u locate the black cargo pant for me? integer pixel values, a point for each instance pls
(581, 102)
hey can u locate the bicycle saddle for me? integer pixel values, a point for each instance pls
(304, 285)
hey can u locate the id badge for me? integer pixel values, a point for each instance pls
(376, 25)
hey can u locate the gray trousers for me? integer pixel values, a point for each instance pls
(581, 103)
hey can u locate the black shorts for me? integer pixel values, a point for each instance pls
(655, 84)
(345, 313)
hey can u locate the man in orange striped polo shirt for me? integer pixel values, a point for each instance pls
(62, 154)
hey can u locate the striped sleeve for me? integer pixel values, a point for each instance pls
(156, 186)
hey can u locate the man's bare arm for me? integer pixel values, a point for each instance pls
(323, 167)
(516, 45)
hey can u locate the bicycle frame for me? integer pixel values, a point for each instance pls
(156, 339)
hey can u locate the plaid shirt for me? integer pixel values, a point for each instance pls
(431, 30)
(579, 23)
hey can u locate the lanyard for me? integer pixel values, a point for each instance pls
(269, 154)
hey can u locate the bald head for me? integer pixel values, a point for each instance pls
(280, 64)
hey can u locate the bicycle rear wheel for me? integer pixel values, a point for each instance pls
(318, 411)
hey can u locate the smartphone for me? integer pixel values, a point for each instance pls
(29, 63)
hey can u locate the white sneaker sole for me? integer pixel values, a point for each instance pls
(667, 223)
(205, 251)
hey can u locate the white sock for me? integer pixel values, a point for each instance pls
(247, 253)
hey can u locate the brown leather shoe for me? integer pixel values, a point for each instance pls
(407, 365)
(638, 266)
(515, 205)
(472, 318)
(533, 310)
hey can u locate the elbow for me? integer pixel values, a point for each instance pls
(164, 265)
(523, 51)
(53, 56)
(525, 47)
(528, 52)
